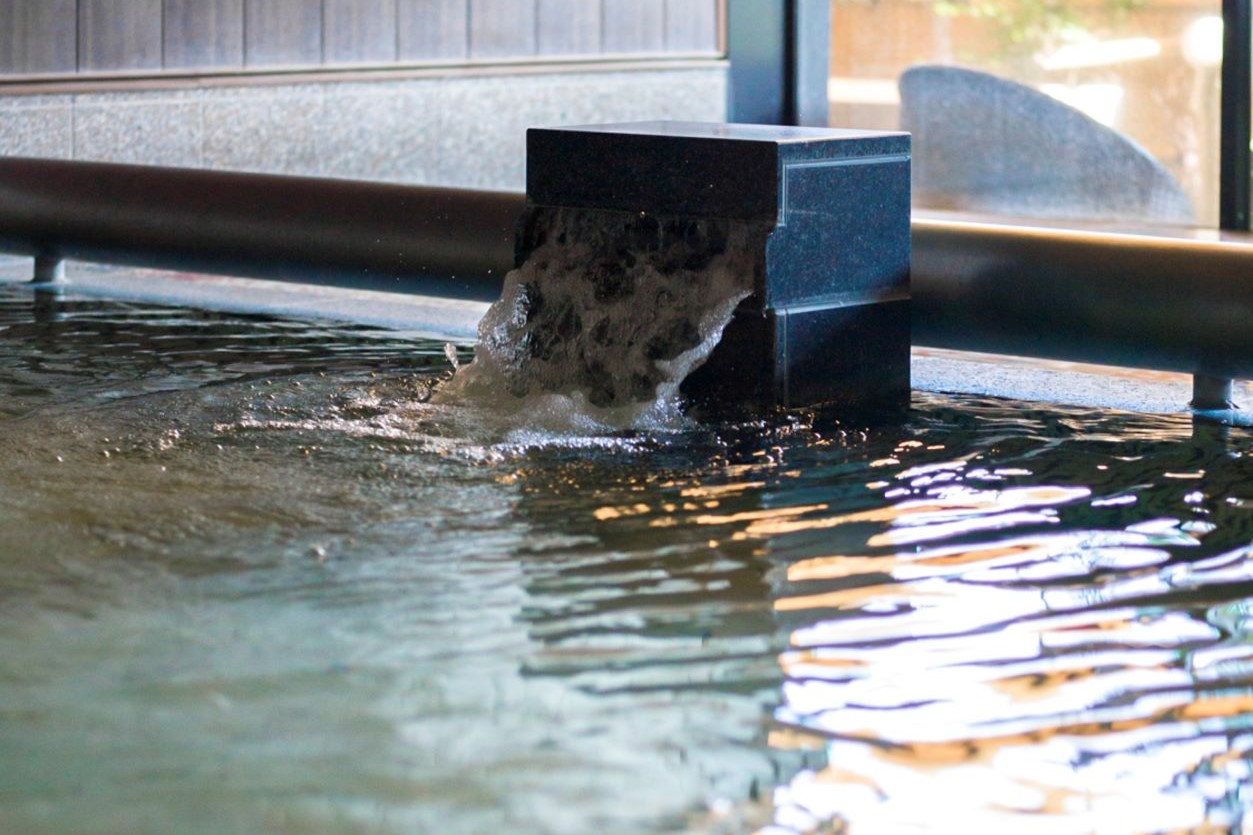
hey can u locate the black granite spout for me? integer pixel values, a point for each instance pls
(827, 320)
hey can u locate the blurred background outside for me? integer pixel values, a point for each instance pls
(1148, 69)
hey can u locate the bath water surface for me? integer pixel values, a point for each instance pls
(257, 576)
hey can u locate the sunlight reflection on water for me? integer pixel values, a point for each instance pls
(252, 579)
(1006, 683)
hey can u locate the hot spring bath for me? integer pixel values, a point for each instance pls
(253, 580)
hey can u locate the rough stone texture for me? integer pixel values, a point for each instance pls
(380, 132)
(491, 130)
(139, 129)
(460, 131)
(36, 126)
(273, 130)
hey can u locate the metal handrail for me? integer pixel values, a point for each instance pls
(1182, 303)
(437, 241)
(1118, 298)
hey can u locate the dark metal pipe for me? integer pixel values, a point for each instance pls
(1237, 90)
(1177, 304)
(435, 241)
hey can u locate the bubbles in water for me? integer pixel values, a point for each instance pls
(607, 315)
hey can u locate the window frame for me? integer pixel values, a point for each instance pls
(779, 54)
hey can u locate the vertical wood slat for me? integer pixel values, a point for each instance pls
(432, 29)
(282, 32)
(119, 34)
(204, 33)
(502, 28)
(359, 31)
(691, 25)
(568, 27)
(38, 37)
(635, 26)
(55, 36)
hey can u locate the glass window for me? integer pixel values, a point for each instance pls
(1081, 109)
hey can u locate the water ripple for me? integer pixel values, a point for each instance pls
(1091, 679)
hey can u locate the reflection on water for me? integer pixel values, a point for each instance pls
(1035, 635)
(253, 580)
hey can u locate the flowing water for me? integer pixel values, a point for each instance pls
(608, 314)
(255, 578)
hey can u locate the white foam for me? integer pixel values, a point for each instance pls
(591, 335)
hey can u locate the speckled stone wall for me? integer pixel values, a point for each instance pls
(466, 131)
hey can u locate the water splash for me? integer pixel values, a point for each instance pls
(989, 618)
(606, 316)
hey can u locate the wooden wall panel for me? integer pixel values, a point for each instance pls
(359, 31)
(204, 33)
(282, 32)
(62, 36)
(502, 28)
(119, 34)
(568, 27)
(635, 26)
(691, 25)
(38, 36)
(433, 29)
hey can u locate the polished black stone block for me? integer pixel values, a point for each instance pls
(827, 321)
(848, 357)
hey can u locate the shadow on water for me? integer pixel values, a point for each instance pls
(252, 579)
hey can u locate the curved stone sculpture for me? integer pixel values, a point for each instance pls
(986, 144)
